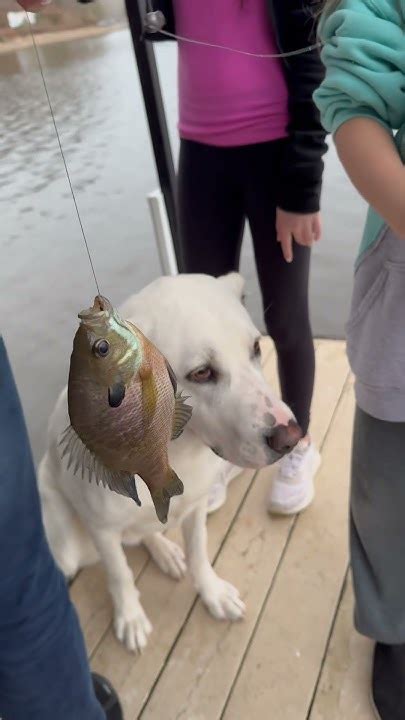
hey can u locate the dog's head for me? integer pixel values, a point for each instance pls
(200, 324)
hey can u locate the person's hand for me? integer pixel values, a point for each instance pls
(33, 5)
(304, 229)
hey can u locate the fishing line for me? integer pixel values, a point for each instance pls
(61, 151)
(155, 21)
(265, 56)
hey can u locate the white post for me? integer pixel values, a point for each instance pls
(163, 235)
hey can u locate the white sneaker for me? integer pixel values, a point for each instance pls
(292, 489)
(219, 488)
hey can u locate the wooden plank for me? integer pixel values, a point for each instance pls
(281, 666)
(344, 688)
(201, 670)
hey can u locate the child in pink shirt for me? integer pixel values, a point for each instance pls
(251, 150)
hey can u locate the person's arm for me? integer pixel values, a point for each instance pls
(302, 166)
(300, 177)
(372, 162)
(362, 99)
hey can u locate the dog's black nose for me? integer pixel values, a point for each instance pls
(284, 438)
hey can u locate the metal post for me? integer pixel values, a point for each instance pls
(148, 74)
(164, 242)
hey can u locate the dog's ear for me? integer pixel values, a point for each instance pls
(235, 283)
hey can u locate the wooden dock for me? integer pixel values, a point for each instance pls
(296, 655)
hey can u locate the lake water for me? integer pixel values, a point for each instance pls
(44, 272)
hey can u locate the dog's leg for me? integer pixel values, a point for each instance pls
(132, 627)
(221, 598)
(166, 554)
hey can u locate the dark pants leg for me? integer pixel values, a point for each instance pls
(44, 673)
(218, 189)
(284, 285)
(211, 209)
(377, 528)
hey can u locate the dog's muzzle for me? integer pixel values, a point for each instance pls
(283, 438)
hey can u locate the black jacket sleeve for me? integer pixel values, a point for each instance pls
(302, 167)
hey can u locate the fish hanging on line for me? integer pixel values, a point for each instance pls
(124, 408)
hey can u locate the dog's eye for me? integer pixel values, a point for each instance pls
(202, 375)
(257, 351)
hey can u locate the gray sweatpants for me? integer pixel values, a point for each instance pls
(377, 528)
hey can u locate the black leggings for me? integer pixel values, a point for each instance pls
(219, 188)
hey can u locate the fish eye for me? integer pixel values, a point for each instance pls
(101, 348)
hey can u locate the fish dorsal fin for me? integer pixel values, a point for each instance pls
(81, 458)
(182, 414)
(172, 377)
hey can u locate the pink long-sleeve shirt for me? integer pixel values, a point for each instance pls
(228, 99)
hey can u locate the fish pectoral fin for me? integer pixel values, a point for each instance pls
(161, 496)
(122, 483)
(83, 459)
(182, 414)
(116, 394)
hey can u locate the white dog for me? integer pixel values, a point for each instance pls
(201, 326)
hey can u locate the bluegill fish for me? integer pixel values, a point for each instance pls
(124, 408)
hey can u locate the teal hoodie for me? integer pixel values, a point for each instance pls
(364, 56)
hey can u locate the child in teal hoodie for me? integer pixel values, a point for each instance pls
(362, 102)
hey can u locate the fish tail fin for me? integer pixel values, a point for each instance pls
(182, 414)
(161, 496)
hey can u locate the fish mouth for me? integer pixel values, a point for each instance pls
(100, 309)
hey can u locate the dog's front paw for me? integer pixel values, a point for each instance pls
(133, 629)
(223, 600)
(168, 556)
